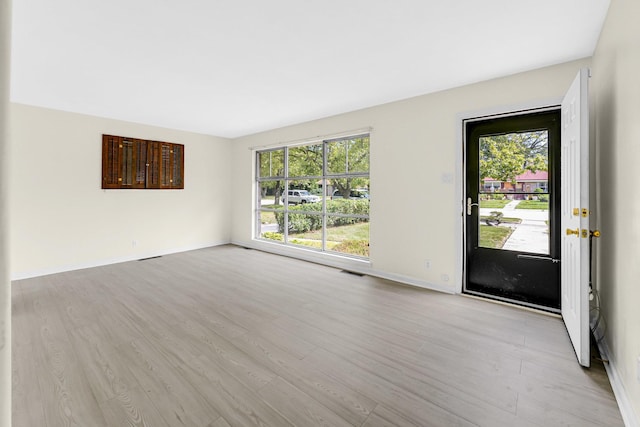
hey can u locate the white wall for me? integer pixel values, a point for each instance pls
(415, 216)
(63, 220)
(5, 284)
(616, 88)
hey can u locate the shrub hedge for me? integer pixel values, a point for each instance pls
(301, 223)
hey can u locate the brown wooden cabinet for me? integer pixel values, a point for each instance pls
(138, 163)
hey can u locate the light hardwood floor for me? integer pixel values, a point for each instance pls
(227, 336)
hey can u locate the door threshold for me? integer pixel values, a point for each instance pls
(551, 312)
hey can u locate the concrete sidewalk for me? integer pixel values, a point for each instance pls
(531, 235)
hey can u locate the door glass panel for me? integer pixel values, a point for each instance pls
(514, 192)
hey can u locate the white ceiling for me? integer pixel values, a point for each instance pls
(236, 67)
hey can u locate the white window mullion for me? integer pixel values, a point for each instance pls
(324, 196)
(285, 198)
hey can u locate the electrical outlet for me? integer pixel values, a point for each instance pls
(445, 277)
(427, 264)
(134, 243)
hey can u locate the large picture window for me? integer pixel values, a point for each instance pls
(316, 195)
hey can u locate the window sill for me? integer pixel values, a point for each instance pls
(331, 259)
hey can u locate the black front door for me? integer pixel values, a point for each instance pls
(512, 209)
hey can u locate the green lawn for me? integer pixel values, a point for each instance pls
(533, 204)
(267, 218)
(494, 204)
(312, 243)
(494, 237)
(350, 239)
(359, 231)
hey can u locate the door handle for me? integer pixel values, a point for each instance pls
(570, 232)
(470, 205)
(536, 257)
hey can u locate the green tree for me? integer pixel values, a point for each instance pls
(348, 156)
(272, 165)
(503, 157)
(305, 160)
(344, 157)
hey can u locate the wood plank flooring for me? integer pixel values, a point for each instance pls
(226, 336)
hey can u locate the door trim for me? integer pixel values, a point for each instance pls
(542, 308)
(461, 165)
(520, 282)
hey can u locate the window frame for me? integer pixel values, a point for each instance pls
(287, 180)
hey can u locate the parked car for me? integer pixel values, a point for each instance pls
(355, 194)
(300, 196)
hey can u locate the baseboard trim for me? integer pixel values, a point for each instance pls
(108, 261)
(337, 261)
(626, 410)
(411, 281)
(512, 305)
